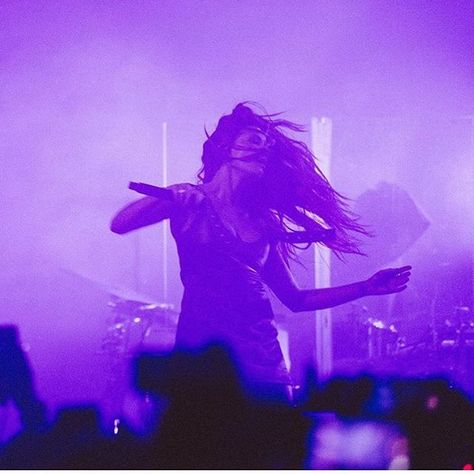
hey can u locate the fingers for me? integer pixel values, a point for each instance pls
(194, 197)
(398, 270)
(390, 280)
(397, 273)
(391, 275)
(406, 268)
(186, 194)
(404, 277)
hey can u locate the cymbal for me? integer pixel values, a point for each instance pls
(125, 294)
(135, 307)
(130, 295)
(119, 291)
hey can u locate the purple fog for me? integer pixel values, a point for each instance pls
(97, 94)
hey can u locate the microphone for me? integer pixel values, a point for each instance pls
(150, 190)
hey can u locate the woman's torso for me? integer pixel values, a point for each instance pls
(225, 299)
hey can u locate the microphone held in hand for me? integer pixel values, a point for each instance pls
(150, 190)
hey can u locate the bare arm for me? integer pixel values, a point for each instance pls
(281, 281)
(146, 211)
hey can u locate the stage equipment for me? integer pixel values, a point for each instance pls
(134, 326)
(382, 349)
(395, 220)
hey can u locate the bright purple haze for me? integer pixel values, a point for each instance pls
(86, 85)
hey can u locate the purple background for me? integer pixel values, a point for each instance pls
(85, 86)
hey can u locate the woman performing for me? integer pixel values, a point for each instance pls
(260, 193)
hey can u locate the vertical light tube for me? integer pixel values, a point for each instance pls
(137, 280)
(164, 152)
(321, 135)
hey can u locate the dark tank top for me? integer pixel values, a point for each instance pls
(225, 299)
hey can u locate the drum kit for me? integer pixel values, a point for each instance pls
(136, 324)
(445, 348)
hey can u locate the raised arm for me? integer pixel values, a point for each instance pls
(281, 281)
(140, 213)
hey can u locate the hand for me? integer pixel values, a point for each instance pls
(387, 281)
(186, 194)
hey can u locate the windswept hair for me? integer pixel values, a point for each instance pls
(293, 191)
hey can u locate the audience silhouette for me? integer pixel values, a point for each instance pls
(209, 419)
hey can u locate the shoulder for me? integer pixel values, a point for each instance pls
(189, 200)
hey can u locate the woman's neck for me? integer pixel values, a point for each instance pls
(225, 184)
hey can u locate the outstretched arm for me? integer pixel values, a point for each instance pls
(281, 281)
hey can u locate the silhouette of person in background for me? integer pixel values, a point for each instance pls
(16, 381)
(235, 232)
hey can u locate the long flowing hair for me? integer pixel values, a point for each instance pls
(293, 192)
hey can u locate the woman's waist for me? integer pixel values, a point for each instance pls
(196, 257)
(235, 312)
(228, 296)
(250, 334)
(245, 283)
